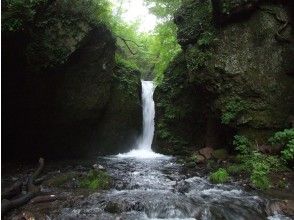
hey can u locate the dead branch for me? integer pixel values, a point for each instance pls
(15, 190)
(12, 191)
(126, 43)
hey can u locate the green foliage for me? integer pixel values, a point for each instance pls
(96, 180)
(242, 144)
(259, 175)
(128, 64)
(236, 169)
(256, 164)
(197, 58)
(16, 13)
(163, 8)
(163, 48)
(206, 39)
(286, 140)
(219, 176)
(53, 29)
(233, 108)
(288, 152)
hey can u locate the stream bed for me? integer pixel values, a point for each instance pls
(157, 188)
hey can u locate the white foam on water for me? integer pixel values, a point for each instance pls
(143, 149)
(141, 154)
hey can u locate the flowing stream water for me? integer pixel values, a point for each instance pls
(154, 186)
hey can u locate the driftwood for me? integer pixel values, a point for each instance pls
(45, 198)
(12, 191)
(16, 190)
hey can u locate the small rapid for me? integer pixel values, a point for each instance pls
(159, 188)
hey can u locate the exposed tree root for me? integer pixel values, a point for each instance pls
(12, 197)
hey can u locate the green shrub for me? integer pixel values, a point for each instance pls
(206, 39)
(96, 180)
(286, 140)
(242, 145)
(219, 176)
(259, 176)
(233, 109)
(236, 169)
(256, 164)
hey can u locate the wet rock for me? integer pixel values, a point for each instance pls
(24, 216)
(81, 168)
(182, 186)
(200, 159)
(285, 207)
(220, 154)
(98, 167)
(206, 152)
(113, 207)
(119, 185)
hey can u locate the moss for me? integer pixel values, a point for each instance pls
(232, 109)
(219, 176)
(236, 169)
(220, 154)
(96, 180)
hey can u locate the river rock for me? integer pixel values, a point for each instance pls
(200, 159)
(220, 154)
(277, 206)
(206, 152)
(98, 167)
(182, 186)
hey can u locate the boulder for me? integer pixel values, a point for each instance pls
(206, 152)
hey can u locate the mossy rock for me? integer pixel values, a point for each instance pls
(220, 154)
(192, 19)
(95, 180)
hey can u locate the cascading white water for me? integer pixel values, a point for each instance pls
(143, 145)
(148, 115)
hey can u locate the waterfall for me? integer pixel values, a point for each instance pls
(148, 115)
(143, 146)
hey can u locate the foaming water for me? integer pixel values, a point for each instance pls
(160, 189)
(141, 154)
(148, 115)
(143, 147)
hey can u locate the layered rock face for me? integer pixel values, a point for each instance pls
(70, 103)
(235, 73)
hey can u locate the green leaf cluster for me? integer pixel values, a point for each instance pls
(96, 180)
(256, 164)
(286, 140)
(219, 176)
(233, 108)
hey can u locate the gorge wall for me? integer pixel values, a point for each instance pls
(233, 76)
(64, 95)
